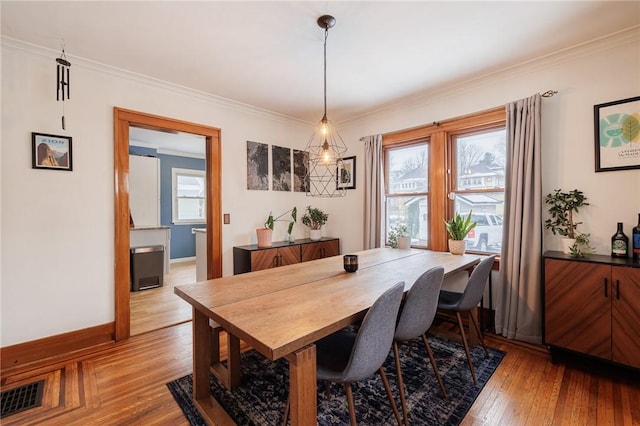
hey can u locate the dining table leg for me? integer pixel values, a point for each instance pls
(302, 386)
(211, 411)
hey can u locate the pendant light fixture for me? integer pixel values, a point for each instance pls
(325, 147)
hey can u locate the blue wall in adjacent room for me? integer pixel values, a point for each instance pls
(183, 242)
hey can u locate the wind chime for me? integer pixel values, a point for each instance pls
(63, 82)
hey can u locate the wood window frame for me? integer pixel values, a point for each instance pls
(441, 161)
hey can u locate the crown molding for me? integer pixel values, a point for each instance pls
(33, 49)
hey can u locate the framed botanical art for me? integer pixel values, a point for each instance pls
(617, 135)
(346, 175)
(51, 152)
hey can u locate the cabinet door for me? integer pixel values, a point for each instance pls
(288, 255)
(626, 315)
(264, 259)
(578, 306)
(319, 250)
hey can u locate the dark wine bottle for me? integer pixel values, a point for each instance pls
(619, 243)
(635, 239)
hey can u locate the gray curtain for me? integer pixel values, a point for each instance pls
(373, 191)
(519, 302)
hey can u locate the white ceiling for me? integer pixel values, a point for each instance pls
(269, 54)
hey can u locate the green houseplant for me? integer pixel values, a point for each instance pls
(314, 218)
(562, 206)
(399, 237)
(265, 234)
(458, 227)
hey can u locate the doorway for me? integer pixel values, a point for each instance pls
(123, 119)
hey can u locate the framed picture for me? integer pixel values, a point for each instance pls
(346, 176)
(617, 135)
(51, 152)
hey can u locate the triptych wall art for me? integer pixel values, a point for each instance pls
(284, 177)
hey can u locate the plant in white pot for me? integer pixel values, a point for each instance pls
(458, 227)
(562, 206)
(265, 235)
(399, 237)
(314, 218)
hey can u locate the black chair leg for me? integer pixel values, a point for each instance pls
(390, 395)
(466, 348)
(403, 400)
(435, 367)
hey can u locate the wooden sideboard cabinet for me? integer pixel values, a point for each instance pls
(320, 250)
(253, 258)
(592, 306)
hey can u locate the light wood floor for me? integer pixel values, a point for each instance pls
(126, 385)
(159, 307)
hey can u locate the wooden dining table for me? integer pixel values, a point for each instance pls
(281, 312)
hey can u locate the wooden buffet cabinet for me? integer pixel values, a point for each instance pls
(253, 258)
(592, 306)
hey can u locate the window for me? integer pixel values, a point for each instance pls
(478, 188)
(188, 192)
(456, 165)
(406, 187)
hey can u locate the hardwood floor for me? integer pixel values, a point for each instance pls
(159, 307)
(126, 384)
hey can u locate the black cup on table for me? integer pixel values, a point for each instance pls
(350, 262)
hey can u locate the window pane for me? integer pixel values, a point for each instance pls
(481, 160)
(412, 212)
(190, 186)
(191, 209)
(487, 209)
(407, 169)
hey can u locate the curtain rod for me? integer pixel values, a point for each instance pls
(548, 94)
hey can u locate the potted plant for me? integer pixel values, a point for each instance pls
(314, 218)
(458, 227)
(562, 207)
(265, 234)
(581, 246)
(399, 237)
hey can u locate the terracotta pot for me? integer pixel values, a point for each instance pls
(264, 237)
(315, 234)
(457, 246)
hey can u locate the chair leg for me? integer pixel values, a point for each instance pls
(435, 367)
(390, 395)
(466, 348)
(403, 400)
(327, 389)
(352, 411)
(475, 324)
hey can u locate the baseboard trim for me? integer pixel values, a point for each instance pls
(56, 348)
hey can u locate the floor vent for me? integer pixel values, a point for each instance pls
(22, 398)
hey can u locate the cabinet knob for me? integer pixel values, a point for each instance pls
(606, 285)
(618, 289)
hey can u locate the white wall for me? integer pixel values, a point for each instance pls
(57, 269)
(57, 227)
(599, 72)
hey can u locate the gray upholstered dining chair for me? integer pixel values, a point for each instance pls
(416, 317)
(346, 356)
(466, 301)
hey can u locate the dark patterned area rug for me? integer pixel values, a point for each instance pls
(262, 396)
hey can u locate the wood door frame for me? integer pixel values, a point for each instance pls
(122, 119)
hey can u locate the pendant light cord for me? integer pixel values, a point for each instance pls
(326, 34)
